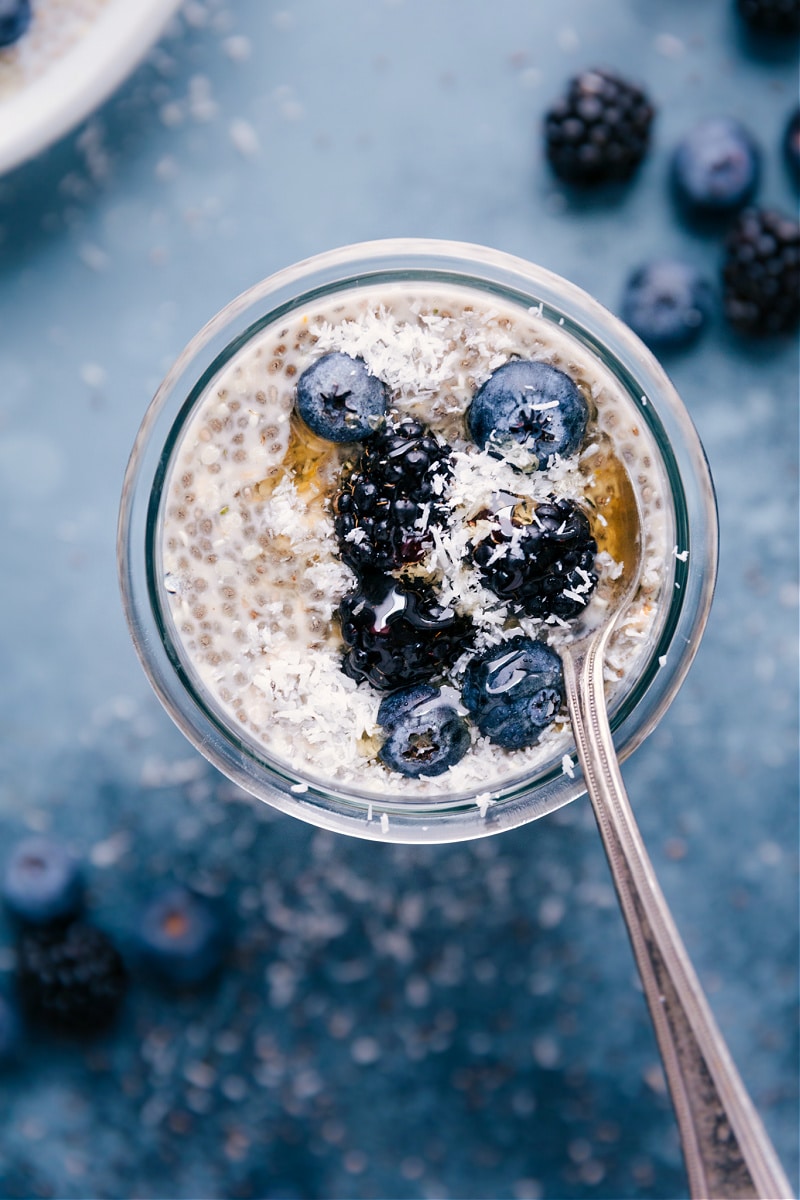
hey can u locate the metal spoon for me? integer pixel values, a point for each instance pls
(726, 1150)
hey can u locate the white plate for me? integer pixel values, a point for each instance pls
(70, 87)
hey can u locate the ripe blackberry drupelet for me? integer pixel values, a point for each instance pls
(544, 568)
(773, 18)
(387, 505)
(761, 274)
(599, 131)
(396, 633)
(71, 977)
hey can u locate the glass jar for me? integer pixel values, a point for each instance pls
(689, 570)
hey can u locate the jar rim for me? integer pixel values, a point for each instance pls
(345, 809)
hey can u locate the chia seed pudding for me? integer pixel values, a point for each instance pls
(253, 571)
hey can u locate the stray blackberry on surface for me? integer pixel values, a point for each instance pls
(71, 978)
(599, 131)
(771, 18)
(761, 274)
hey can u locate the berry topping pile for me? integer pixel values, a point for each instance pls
(409, 526)
(390, 502)
(541, 561)
(599, 131)
(761, 274)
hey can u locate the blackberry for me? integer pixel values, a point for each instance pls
(540, 560)
(71, 977)
(397, 633)
(773, 18)
(761, 273)
(389, 502)
(599, 131)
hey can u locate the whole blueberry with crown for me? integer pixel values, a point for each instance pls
(514, 691)
(528, 411)
(181, 936)
(599, 130)
(43, 882)
(426, 734)
(716, 167)
(339, 399)
(393, 498)
(667, 303)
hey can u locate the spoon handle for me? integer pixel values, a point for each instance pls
(726, 1150)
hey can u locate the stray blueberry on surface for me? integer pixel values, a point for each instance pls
(791, 144)
(10, 1032)
(772, 18)
(181, 937)
(15, 17)
(397, 633)
(514, 691)
(42, 882)
(339, 400)
(716, 167)
(528, 411)
(71, 977)
(667, 303)
(426, 734)
(761, 274)
(599, 131)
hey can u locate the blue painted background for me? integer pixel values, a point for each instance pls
(393, 1022)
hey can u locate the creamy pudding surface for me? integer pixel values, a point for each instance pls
(250, 565)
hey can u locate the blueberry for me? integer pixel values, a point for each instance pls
(791, 144)
(426, 734)
(716, 168)
(15, 17)
(667, 303)
(339, 400)
(531, 407)
(181, 937)
(10, 1032)
(514, 691)
(394, 707)
(42, 882)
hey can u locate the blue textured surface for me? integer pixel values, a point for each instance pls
(393, 1022)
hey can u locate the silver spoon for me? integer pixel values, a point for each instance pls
(726, 1150)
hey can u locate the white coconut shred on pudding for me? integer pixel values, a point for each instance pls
(382, 520)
